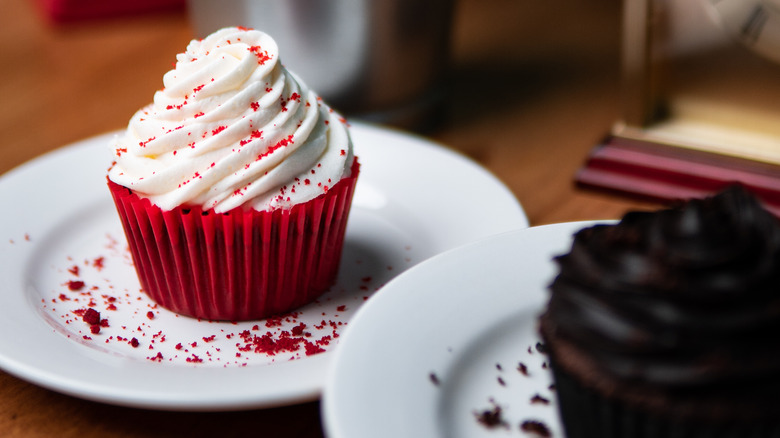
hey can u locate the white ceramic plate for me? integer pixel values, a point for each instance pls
(444, 342)
(63, 252)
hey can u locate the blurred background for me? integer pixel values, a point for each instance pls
(526, 89)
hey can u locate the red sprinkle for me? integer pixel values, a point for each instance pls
(262, 55)
(98, 263)
(170, 107)
(252, 136)
(75, 285)
(282, 143)
(144, 143)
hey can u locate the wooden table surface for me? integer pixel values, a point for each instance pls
(535, 86)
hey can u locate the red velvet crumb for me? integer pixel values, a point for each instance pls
(91, 316)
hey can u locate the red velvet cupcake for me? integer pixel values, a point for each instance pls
(235, 185)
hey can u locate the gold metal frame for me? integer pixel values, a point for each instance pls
(654, 150)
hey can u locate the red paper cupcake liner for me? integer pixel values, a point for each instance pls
(238, 265)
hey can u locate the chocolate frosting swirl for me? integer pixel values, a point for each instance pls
(685, 298)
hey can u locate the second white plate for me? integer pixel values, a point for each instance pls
(449, 340)
(63, 252)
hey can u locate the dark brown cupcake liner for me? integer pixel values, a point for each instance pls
(587, 414)
(238, 265)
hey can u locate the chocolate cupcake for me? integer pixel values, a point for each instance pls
(666, 324)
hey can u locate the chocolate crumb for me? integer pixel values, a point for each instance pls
(541, 348)
(522, 368)
(535, 427)
(434, 379)
(501, 382)
(498, 367)
(491, 418)
(538, 399)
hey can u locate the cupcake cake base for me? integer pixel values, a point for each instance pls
(238, 265)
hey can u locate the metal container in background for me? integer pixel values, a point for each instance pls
(384, 61)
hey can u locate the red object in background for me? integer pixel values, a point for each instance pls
(651, 170)
(62, 11)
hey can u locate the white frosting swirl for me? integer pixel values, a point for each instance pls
(231, 128)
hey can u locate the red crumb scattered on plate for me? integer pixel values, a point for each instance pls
(88, 288)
